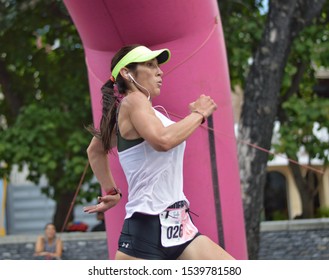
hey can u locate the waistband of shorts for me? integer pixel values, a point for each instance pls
(179, 204)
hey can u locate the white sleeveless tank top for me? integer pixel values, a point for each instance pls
(155, 179)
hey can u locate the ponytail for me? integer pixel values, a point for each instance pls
(109, 112)
(108, 120)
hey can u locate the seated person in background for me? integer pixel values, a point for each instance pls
(48, 246)
(101, 225)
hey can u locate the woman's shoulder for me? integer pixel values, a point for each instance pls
(135, 97)
(40, 238)
(136, 102)
(59, 240)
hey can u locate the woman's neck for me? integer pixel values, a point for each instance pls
(50, 239)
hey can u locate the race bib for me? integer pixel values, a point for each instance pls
(176, 227)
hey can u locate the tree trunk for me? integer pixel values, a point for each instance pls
(13, 100)
(306, 188)
(62, 210)
(285, 20)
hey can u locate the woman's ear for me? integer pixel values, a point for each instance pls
(124, 72)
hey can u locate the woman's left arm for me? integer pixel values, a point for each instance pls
(99, 163)
(59, 248)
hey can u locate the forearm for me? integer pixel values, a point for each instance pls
(178, 132)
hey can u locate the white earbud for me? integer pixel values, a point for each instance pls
(131, 77)
(137, 84)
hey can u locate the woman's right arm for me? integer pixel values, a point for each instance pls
(99, 164)
(150, 128)
(39, 246)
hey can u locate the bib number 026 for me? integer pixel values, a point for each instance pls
(175, 231)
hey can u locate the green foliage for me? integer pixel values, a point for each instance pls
(279, 215)
(44, 70)
(243, 26)
(306, 119)
(322, 212)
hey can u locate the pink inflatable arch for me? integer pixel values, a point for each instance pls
(192, 30)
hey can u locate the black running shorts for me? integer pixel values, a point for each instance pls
(141, 238)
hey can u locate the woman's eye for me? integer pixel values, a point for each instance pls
(151, 64)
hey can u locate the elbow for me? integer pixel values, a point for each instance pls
(163, 144)
(159, 148)
(94, 147)
(89, 150)
(163, 148)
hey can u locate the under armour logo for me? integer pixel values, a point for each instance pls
(125, 245)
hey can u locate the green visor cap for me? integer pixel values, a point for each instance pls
(141, 54)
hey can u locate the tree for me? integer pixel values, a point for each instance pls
(285, 21)
(302, 113)
(46, 102)
(299, 134)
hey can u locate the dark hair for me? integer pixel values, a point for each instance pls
(110, 100)
(49, 224)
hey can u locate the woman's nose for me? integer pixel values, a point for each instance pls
(160, 73)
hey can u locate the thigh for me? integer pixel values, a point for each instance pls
(203, 248)
(122, 256)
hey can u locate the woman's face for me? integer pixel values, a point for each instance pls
(149, 75)
(50, 231)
